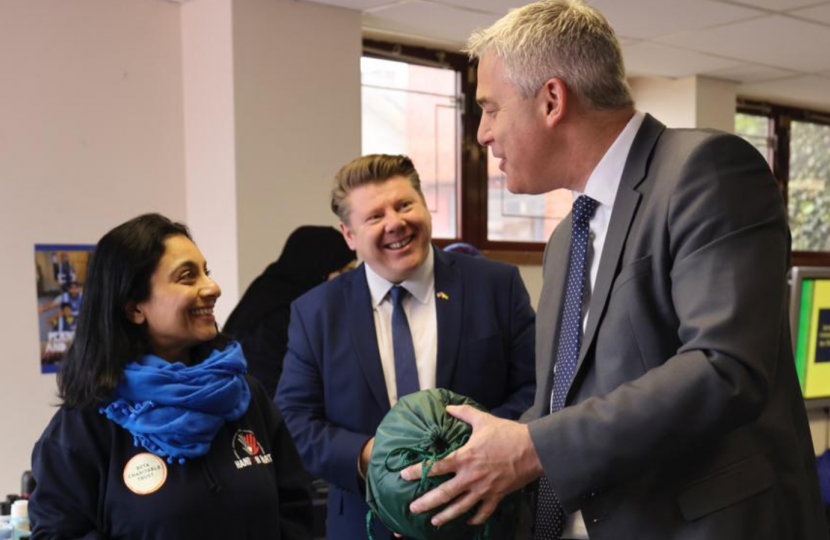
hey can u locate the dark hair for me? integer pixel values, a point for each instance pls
(106, 340)
(463, 247)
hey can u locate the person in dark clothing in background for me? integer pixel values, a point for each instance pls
(161, 434)
(311, 256)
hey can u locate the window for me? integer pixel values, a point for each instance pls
(808, 187)
(797, 145)
(521, 218)
(415, 110)
(421, 102)
(757, 130)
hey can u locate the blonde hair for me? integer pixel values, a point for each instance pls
(371, 169)
(564, 39)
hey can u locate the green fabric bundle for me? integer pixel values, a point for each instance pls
(417, 429)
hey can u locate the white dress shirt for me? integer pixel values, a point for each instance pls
(602, 187)
(419, 306)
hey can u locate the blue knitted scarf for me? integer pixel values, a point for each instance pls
(174, 410)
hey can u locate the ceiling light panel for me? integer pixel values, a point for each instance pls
(430, 20)
(751, 73)
(819, 14)
(774, 40)
(809, 91)
(776, 5)
(646, 19)
(654, 59)
(359, 5)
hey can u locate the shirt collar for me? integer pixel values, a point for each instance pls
(606, 177)
(419, 285)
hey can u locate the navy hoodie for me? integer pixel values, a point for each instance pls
(251, 484)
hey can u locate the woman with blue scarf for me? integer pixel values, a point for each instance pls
(161, 434)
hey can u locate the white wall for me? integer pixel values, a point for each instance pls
(532, 276)
(297, 72)
(272, 110)
(232, 116)
(672, 101)
(715, 104)
(91, 135)
(210, 146)
(687, 102)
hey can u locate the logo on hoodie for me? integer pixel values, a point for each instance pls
(248, 451)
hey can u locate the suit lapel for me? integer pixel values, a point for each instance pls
(448, 311)
(358, 302)
(625, 207)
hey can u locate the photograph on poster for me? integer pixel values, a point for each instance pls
(60, 271)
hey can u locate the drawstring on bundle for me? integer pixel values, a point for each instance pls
(427, 458)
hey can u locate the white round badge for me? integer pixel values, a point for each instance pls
(145, 473)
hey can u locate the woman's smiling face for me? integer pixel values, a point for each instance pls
(179, 311)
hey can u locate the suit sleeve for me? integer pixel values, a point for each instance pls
(327, 450)
(727, 257)
(521, 382)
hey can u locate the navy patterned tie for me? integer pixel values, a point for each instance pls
(550, 516)
(406, 369)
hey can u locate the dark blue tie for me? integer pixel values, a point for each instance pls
(550, 516)
(406, 370)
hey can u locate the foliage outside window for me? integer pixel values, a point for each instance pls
(809, 186)
(756, 129)
(796, 143)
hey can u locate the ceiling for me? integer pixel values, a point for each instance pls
(777, 50)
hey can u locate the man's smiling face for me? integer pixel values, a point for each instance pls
(390, 227)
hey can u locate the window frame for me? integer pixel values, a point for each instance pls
(472, 198)
(781, 118)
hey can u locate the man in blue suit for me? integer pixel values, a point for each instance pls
(411, 317)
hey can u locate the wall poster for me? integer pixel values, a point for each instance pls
(60, 272)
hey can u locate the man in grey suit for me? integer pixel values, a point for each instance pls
(667, 403)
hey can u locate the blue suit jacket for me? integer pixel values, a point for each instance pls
(332, 392)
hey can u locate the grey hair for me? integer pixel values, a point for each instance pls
(564, 39)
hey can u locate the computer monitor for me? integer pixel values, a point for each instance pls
(810, 327)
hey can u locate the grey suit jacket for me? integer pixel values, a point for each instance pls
(685, 418)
